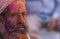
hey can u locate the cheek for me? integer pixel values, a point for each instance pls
(11, 20)
(14, 20)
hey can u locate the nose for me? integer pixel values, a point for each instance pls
(21, 19)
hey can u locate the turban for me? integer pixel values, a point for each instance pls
(17, 6)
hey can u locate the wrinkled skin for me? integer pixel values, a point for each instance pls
(12, 27)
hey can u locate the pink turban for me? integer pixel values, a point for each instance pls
(16, 7)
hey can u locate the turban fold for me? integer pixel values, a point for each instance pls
(17, 7)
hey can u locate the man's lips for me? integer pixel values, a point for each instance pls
(21, 28)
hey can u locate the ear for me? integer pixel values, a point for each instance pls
(1, 18)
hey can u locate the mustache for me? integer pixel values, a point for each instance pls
(20, 27)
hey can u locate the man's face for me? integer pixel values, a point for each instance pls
(16, 16)
(12, 20)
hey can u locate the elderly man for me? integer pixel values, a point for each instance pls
(14, 21)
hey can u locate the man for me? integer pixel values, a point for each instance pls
(14, 21)
(41, 12)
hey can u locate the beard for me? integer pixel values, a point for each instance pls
(19, 27)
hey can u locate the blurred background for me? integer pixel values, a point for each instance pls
(40, 12)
